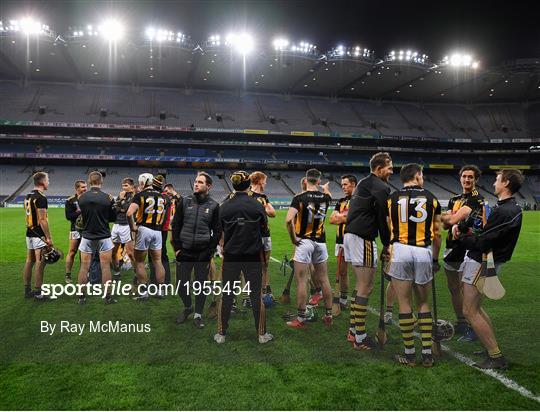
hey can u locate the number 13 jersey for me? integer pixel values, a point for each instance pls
(412, 212)
(152, 208)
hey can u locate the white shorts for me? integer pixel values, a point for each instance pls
(100, 245)
(74, 235)
(310, 251)
(148, 239)
(471, 270)
(267, 243)
(411, 263)
(120, 233)
(360, 252)
(33, 243)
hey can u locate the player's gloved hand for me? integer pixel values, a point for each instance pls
(436, 266)
(463, 228)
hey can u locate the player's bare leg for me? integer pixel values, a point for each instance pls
(39, 269)
(155, 255)
(456, 294)
(70, 256)
(315, 289)
(129, 251)
(140, 272)
(472, 301)
(301, 273)
(86, 260)
(320, 275)
(27, 273)
(105, 259)
(115, 260)
(481, 323)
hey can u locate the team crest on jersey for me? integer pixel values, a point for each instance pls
(207, 210)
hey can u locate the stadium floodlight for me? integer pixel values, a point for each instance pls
(241, 42)
(460, 60)
(30, 26)
(280, 44)
(112, 30)
(150, 33)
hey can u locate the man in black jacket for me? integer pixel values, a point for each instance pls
(97, 210)
(367, 218)
(121, 233)
(499, 236)
(73, 211)
(244, 222)
(196, 231)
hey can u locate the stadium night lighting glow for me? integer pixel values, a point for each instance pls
(214, 40)
(460, 60)
(342, 51)
(161, 35)
(408, 56)
(112, 30)
(280, 44)
(303, 47)
(241, 42)
(27, 26)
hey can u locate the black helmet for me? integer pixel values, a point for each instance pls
(51, 255)
(442, 330)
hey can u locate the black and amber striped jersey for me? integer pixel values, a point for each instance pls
(412, 211)
(32, 202)
(152, 208)
(263, 200)
(312, 207)
(342, 206)
(72, 210)
(476, 202)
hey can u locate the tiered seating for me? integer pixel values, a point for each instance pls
(68, 103)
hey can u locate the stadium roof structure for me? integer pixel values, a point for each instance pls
(175, 61)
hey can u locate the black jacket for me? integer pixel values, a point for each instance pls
(97, 209)
(368, 210)
(499, 235)
(121, 206)
(72, 210)
(244, 222)
(196, 226)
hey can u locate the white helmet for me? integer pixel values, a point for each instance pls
(145, 179)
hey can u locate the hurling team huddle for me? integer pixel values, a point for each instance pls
(148, 215)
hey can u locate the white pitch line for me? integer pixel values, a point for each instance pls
(509, 383)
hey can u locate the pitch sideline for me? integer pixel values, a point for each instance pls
(509, 383)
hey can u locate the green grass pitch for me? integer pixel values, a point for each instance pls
(179, 367)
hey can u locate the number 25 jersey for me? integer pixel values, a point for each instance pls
(152, 208)
(412, 212)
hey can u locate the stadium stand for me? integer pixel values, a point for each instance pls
(70, 103)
